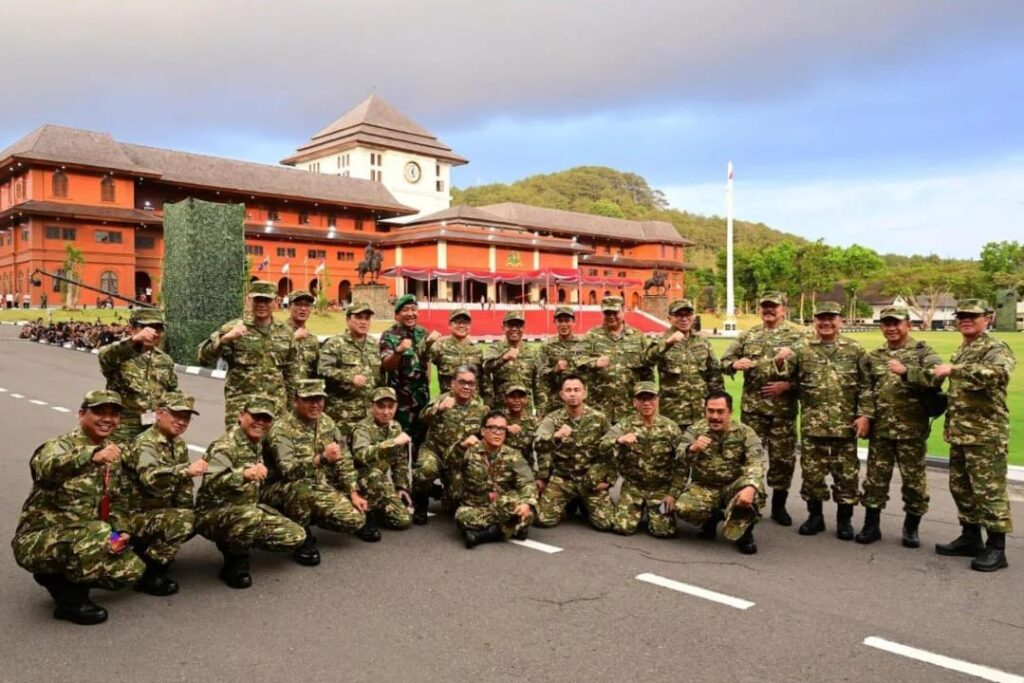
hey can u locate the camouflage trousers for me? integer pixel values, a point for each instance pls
(241, 527)
(79, 552)
(381, 495)
(778, 437)
(634, 501)
(698, 502)
(909, 455)
(977, 480)
(500, 512)
(561, 491)
(430, 466)
(307, 502)
(820, 457)
(161, 532)
(234, 403)
(129, 428)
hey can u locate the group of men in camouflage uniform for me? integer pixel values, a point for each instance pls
(344, 436)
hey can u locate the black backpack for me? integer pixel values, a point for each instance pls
(934, 400)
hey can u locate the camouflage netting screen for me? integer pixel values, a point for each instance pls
(204, 258)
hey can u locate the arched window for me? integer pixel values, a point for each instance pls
(60, 184)
(107, 191)
(108, 282)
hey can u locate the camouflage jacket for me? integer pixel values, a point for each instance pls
(651, 462)
(141, 377)
(66, 484)
(977, 411)
(760, 345)
(411, 380)
(447, 353)
(549, 379)
(153, 470)
(446, 428)
(523, 441)
(223, 484)
(610, 388)
(500, 373)
(261, 361)
(899, 411)
(341, 358)
(291, 447)
(833, 386)
(734, 457)
(307, 357)
(500, 473)
(688, 371)
(374, 448)
(578, 456)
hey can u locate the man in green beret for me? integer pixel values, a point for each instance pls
(64, 535)
(448, 353)
(509, 361)
(140, 371)
(978, 431)
(307, 346)
(350, 364)
(260, 353)
(556, 359)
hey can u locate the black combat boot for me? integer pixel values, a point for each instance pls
(369, 531)
(475, 537)
(420, 503)
(910, 525)
(75, 606)
(994, 556)
(746, 544)
(307, 554)
(51, 582)
(235, 571)
(844, 522)
(870, 532)
(967, 544)
(155, 580)
(815, 523)
(709, 530)
(779, 514)
(572, 509)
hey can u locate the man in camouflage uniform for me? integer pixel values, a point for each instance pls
(510, 361)
(381, 452)
(64, 536)
(724, 464)
(228, 508)
(644, 447)
(570, 463)
(260, 353)
(556, 359)
(899, 379)
(450, 417)
(978, 431)
(140, 371)
(837, 406)
(769, 404)
(522, 427)
(301, 447)
(350, 364)
(403, 353)
(687, 367)
(448, 353)
(614, 358)
(499, 495)
(307, 346)
(156, 505)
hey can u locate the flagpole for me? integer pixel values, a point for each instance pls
(730, 293)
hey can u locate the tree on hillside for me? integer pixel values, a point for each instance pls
(856, 266)
(606, 207)
(816, 272)
(1003, 264)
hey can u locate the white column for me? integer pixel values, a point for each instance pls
(492, 259)
(442, 262)
(399, 282)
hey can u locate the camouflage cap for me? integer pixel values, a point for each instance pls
(310, 388)
(261, 289)
(511, 389)
(179, 402)
(777, 298)
(299, 295)
(827, 308)
(102, 397)
(645, 388)
(358, 307)
(680, 305)
(611, 303)
(514, 315)
(898, 312)
(260, 405)
(146, 316)
(976, 306)
(384, 393)
(459, 313)
(565, 310)
(405, 300)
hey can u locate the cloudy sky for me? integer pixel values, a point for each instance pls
(895, 124)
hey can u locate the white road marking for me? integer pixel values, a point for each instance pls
(985, 672)
(535, 545)
(95, 352)
(60, 409)
(196, 449)
(17, 396)
(192, 370)
(696, 591)
(219, 374)
(2, 390)
(38, 402)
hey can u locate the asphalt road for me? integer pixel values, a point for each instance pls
(418, 606)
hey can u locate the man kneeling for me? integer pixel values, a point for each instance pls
(726, 468)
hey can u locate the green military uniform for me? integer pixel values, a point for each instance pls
(499, 373)
(411, 380)
(448, 353)
(494, 485)
(522, 440)
(307, 349)
(733, 461)
(573, 467)
(549, 378)
(342, 357)
(445, 429)
(140, 377)
(383, 468)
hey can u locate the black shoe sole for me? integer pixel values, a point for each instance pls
(966, 552)
(783, 521)
(91, 619)
(990, 568)
(867, 540)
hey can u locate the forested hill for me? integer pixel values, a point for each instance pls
(607, 192)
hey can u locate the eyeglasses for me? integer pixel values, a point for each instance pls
(497, 429)
(261, 417)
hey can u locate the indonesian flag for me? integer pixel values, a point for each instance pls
(286, 267)
(321, 268)
(264, 264)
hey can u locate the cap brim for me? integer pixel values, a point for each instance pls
(254, 295)
(182, 409)
(119, 406)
